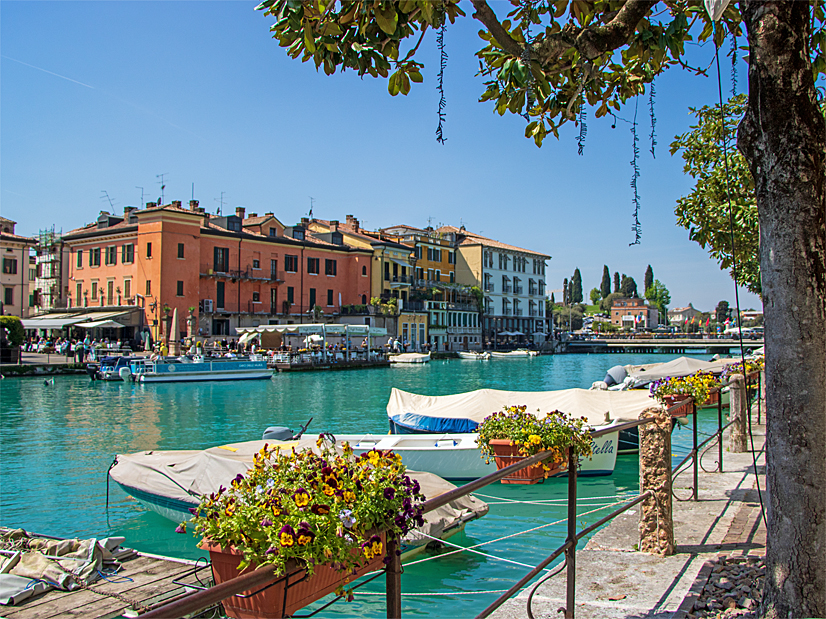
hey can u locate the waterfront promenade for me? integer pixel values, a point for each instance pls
(614, 581)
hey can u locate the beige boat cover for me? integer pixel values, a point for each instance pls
(681, 366)
(186, 475)
(463, 411)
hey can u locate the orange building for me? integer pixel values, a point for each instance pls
(218, 272)
(634, 314)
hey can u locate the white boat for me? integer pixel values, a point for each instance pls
(472, 354)
(457, 456)
(410, 357)
(198, 369)
(520, 353)
(171, 482)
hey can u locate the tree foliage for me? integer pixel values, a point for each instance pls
(628, 287)
(607, 302)
(576, 289)
(616, 281)
(595, 296)
(648, 280)
(722, 311)
(605, 286)
(704, 212)
(658, 296)
(13, 329)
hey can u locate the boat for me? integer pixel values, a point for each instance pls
(197, 368)
(472, 354)
(113, 368)
(520, 353)
(457, 457)
(171, 482)
(410, 357)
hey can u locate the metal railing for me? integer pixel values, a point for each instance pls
(264, 576)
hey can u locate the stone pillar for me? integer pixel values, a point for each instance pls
(656, 523)
(738, 404)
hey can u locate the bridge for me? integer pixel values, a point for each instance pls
(674, 346)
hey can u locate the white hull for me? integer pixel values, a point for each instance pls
(514, 354)
(457, 456)
(477, 356)
(410, 357)
(183, 377)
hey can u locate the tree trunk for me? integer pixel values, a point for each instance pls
(784, 138)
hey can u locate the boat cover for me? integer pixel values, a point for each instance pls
(681, 366)
(185, 475)
(410, 357)
(462, 412)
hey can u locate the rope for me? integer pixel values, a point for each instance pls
(442, 594)
(549, 501)
(115, 596)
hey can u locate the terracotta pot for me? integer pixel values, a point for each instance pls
(507, 454)
(671, 400)
(274, 602)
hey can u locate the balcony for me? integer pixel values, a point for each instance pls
(401, 280)
(506, 288)
(517, 312)
(489, 288)
(246, 273)
(517, 289)
(462, 307)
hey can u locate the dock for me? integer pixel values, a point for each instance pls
(673, 346)
(144, 582)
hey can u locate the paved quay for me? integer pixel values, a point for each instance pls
(614, 581)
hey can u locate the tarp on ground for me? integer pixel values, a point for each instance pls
(463, 412)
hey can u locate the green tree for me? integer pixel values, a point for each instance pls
(705, 211)
(547, 60)
(616, 282)
(605, 286)
(569, 318)
(566, 298)
(595, 296)
(721, 312)
(608, 302)
(658, 296)
(576, 289)
(13, 327)
(648, 280)
(553, 301)
(628, 287)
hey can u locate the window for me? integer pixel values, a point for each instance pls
(312, 298)
(256, 296)
(418, 252)
(220, 296)
(364, 270)
(149, 250)
(298, 234)
(290, 295)
(387, 271)
(273, 299)
(78, 294)
(8, 295)
(313, 266)
(330, 267)
(273, 232)
(79, 262)
(452, 277)
(273, 269)
(451, 258)
(148, 288)
(438, 277)
(291, 263)
(94, 291)
(94, 257)
(179, 289)
(256, 264)
(10, 266)
(127, 254)
(180, 250)
(110, 292)
(111, 256)
(329, 298)
(127, 288)
(220, 257)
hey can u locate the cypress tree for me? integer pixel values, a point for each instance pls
(565, 298)
(649, 278)
(576, 283)
(605, 287)
(616, 282)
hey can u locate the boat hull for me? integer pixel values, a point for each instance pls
(177, 372)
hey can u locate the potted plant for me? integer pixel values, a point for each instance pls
(327, 511)
(514, 434)
(672, 390)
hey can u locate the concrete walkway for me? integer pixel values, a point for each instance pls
(615, 581)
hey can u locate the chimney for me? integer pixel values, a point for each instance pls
(239, 212)
(176, 204)
(253, 214)
(268, 215)
(334, 225)
(355, 223)
(151, 204)
(305, 221)
(193, 206)
(127, 210)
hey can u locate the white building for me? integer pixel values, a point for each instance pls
(14, 279)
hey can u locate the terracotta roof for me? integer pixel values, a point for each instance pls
(254, 221)
(16, 237)
(471, 238)
(402, 226)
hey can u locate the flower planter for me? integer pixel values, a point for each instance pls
(506, 454)
(280, 599)
(713, 398)
(671, 400)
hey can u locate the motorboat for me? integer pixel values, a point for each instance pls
(171, 482)
(410, 357)
(457, 457)
(520, 353)
(198, 368)
(472, 354)
(113, 368)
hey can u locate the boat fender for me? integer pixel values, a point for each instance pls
(615, 375)
(125, 373)
(277, 433)
(599, 385)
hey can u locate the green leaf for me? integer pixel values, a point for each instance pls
(416, 77)
(386, 18)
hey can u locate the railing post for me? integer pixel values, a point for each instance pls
(696, 458)
(656, 524)
(760, 394)
(738, 409)
(393, 576)
(720, 431)
(570, 552)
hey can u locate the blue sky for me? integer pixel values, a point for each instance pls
(107, 95)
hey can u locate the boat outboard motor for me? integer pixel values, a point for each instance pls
(92, 370)
(125, 373)
(615, 375)
(277, 433)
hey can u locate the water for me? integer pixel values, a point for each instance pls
(58, 441)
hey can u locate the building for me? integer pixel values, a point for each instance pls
(512, 280)
(14, 279)
(679, 315)
(49, 289)
(634, 314)
(218, 272)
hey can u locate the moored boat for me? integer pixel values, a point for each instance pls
(113, 368)
(410, 357)
(197, 369)
(472, 354)
(520, 353)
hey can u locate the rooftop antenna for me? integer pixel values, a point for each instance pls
(193, 192)
(106, 196)
(142, 202)
(429, 222)
(221, 201)
(312, 201)
(163, 185)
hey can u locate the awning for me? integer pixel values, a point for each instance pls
(517, 333)
(400, 263)
(316, 329)
(103, 324)
(51, 323)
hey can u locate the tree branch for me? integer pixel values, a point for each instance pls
(486, 15)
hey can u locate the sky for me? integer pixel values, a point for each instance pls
(106, 96)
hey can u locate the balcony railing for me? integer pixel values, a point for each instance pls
(517, 290)
(507, 288)
(489, 288)
(517, 312)
(248, 273)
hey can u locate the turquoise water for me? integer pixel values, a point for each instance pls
(58, 441)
